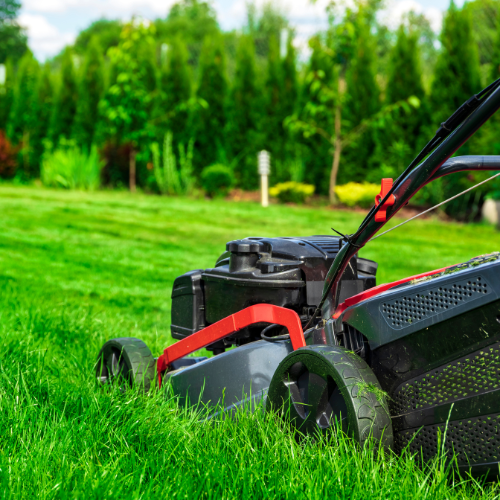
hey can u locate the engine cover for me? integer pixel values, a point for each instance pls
(287, 272)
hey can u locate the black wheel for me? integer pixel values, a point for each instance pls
(127, 362)
(316, 385)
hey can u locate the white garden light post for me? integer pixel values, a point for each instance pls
(264, 170)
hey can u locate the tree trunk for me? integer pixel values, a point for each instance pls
(336, 162)
(337, 141)
(132, 164)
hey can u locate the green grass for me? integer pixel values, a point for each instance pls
(77, 269)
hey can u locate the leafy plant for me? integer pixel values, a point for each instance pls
(292, 192)
(169, 179)
(354, 194)
(217, 180)
(70, 167)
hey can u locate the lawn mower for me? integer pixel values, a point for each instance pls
(299, 325)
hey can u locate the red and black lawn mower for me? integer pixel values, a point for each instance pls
(402, 362)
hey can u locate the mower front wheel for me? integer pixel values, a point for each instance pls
(126, 362)
(316, 386)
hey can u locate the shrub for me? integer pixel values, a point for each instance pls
(292, 192)
(71, 168)
(217, 180)
(8, 163)
(354, 194)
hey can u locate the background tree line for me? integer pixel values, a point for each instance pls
(356, 107)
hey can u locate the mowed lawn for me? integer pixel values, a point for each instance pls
(77, 269)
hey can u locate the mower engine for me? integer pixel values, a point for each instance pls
(286, 272)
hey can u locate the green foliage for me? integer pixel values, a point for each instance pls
(292, 192)
(45, 99)
(189, 20)
(275, 133)
(172, 107)
(495, 55)
(23, 119)
(402, 137)
(290, 78)
(90, 91)
(13, 39)
(217, 180)
(65, 99)
(169, 179)
(456, 76)
(264, 24)
(6, 94)
(70, 167)
(362, 101)
(104, 32)
(125, 106)
(22, 116)
(245, 114)
(318, 100)
(210, 122)
(354, 194)
(485, 16)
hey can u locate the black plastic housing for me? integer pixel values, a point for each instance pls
(287, 272)
(188, 305)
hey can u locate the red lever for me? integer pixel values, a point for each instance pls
(381, 215)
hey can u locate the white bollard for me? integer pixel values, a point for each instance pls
(264, 169)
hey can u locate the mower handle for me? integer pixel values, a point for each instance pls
(435, 165)
(467, 163)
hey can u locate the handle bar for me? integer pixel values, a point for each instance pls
(467, 163)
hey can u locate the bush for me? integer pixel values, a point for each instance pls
(217, 180)
(292, 192)
(71, 168)
(354, 194)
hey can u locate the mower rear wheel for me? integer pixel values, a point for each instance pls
(126, 362)
(317, 385)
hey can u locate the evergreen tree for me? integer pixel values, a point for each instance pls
(66, 98)
(6, 94)
(401, 138)
(495, 56)
(175, 91)
(210, 123)
(13, 39)
(290, 81)
(23, 113)
(320, 111)
(91, 88)
(45, 99)
(456, 76)
(362, 102)
(456, 79)
(245, 114)
(275, 133)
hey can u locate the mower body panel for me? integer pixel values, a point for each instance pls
(435, 349)
(415, 306)
(228, 380)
